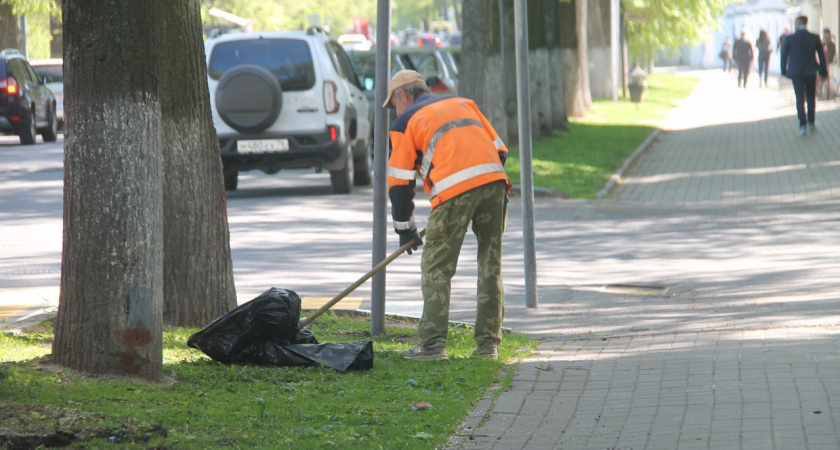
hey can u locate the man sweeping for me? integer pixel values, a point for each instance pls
(460, 159)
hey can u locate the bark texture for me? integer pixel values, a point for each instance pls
(110, 314)
(198, 271)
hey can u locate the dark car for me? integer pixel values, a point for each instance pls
(27, 106)
(365, 64)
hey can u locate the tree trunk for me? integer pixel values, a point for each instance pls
(110, 312)
(572, 89)
(480, 78)
(56, 48)
(9, 27)
(552, 41)
(508, 57)
(198, 273)
(581, 24)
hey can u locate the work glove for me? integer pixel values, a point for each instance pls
(410, 235)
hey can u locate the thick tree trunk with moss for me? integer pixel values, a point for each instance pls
(198, 271)
(110, 312)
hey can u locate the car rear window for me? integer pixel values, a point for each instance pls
(425, 63)
(52, 73)
(290, 60)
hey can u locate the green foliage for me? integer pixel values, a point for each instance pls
(37, 13)
(582, 160)
(282, 15)
(26, 7)
(666, 25)
(210, 405)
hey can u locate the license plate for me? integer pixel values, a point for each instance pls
(263, 146)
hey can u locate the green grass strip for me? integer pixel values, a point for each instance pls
(210, 405)
(581, 160)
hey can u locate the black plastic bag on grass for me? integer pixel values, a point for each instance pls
(265, 331)
(341, 356)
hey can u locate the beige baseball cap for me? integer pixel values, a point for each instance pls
(400, 79)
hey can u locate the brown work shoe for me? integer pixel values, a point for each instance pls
(486, 351)
(434, 352)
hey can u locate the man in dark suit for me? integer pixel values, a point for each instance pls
(743, 54)
(799, 63)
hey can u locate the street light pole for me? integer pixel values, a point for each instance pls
(380, 164)
(520, 16)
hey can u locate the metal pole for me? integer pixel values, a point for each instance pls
(520, 16)
(615, 46)
(23, 36)
(380, 164)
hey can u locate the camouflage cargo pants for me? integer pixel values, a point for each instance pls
(486, 207)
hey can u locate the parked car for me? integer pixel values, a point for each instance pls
(355, 42)
(427, 40)
(51, 71)
(431, 63)
(27, 106)
(365, 65)
(289, 100)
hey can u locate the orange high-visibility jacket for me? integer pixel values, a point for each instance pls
(450, 144)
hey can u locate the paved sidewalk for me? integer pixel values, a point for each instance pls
(733, 339)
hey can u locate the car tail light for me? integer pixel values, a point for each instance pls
(420, 42)
(9, 86)
(330, 102)
(440, 86)
(333, 133)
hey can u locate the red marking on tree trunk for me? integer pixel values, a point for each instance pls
(136, 337)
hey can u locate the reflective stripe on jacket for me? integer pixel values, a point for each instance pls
(450, 144)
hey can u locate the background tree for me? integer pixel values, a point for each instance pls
(37, 14)
(110, 313)
(667, 25)
(9, 27)
(198, 271)
(56, 47)
(574, 69)
(481, 78)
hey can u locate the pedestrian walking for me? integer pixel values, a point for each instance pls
(830, 45)
(800, 65)
(743, 54)
(460, 160)
(782, 37)
(764, 50)
(726, 54)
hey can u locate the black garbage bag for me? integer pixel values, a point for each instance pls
(342, 356)
(265, 331)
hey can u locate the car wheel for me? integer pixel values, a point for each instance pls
(231, 180)
(362, 175)
(50, 134)
(342, 179)
(249, 98)
(28, 133)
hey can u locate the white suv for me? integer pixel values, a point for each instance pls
(289, 100)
